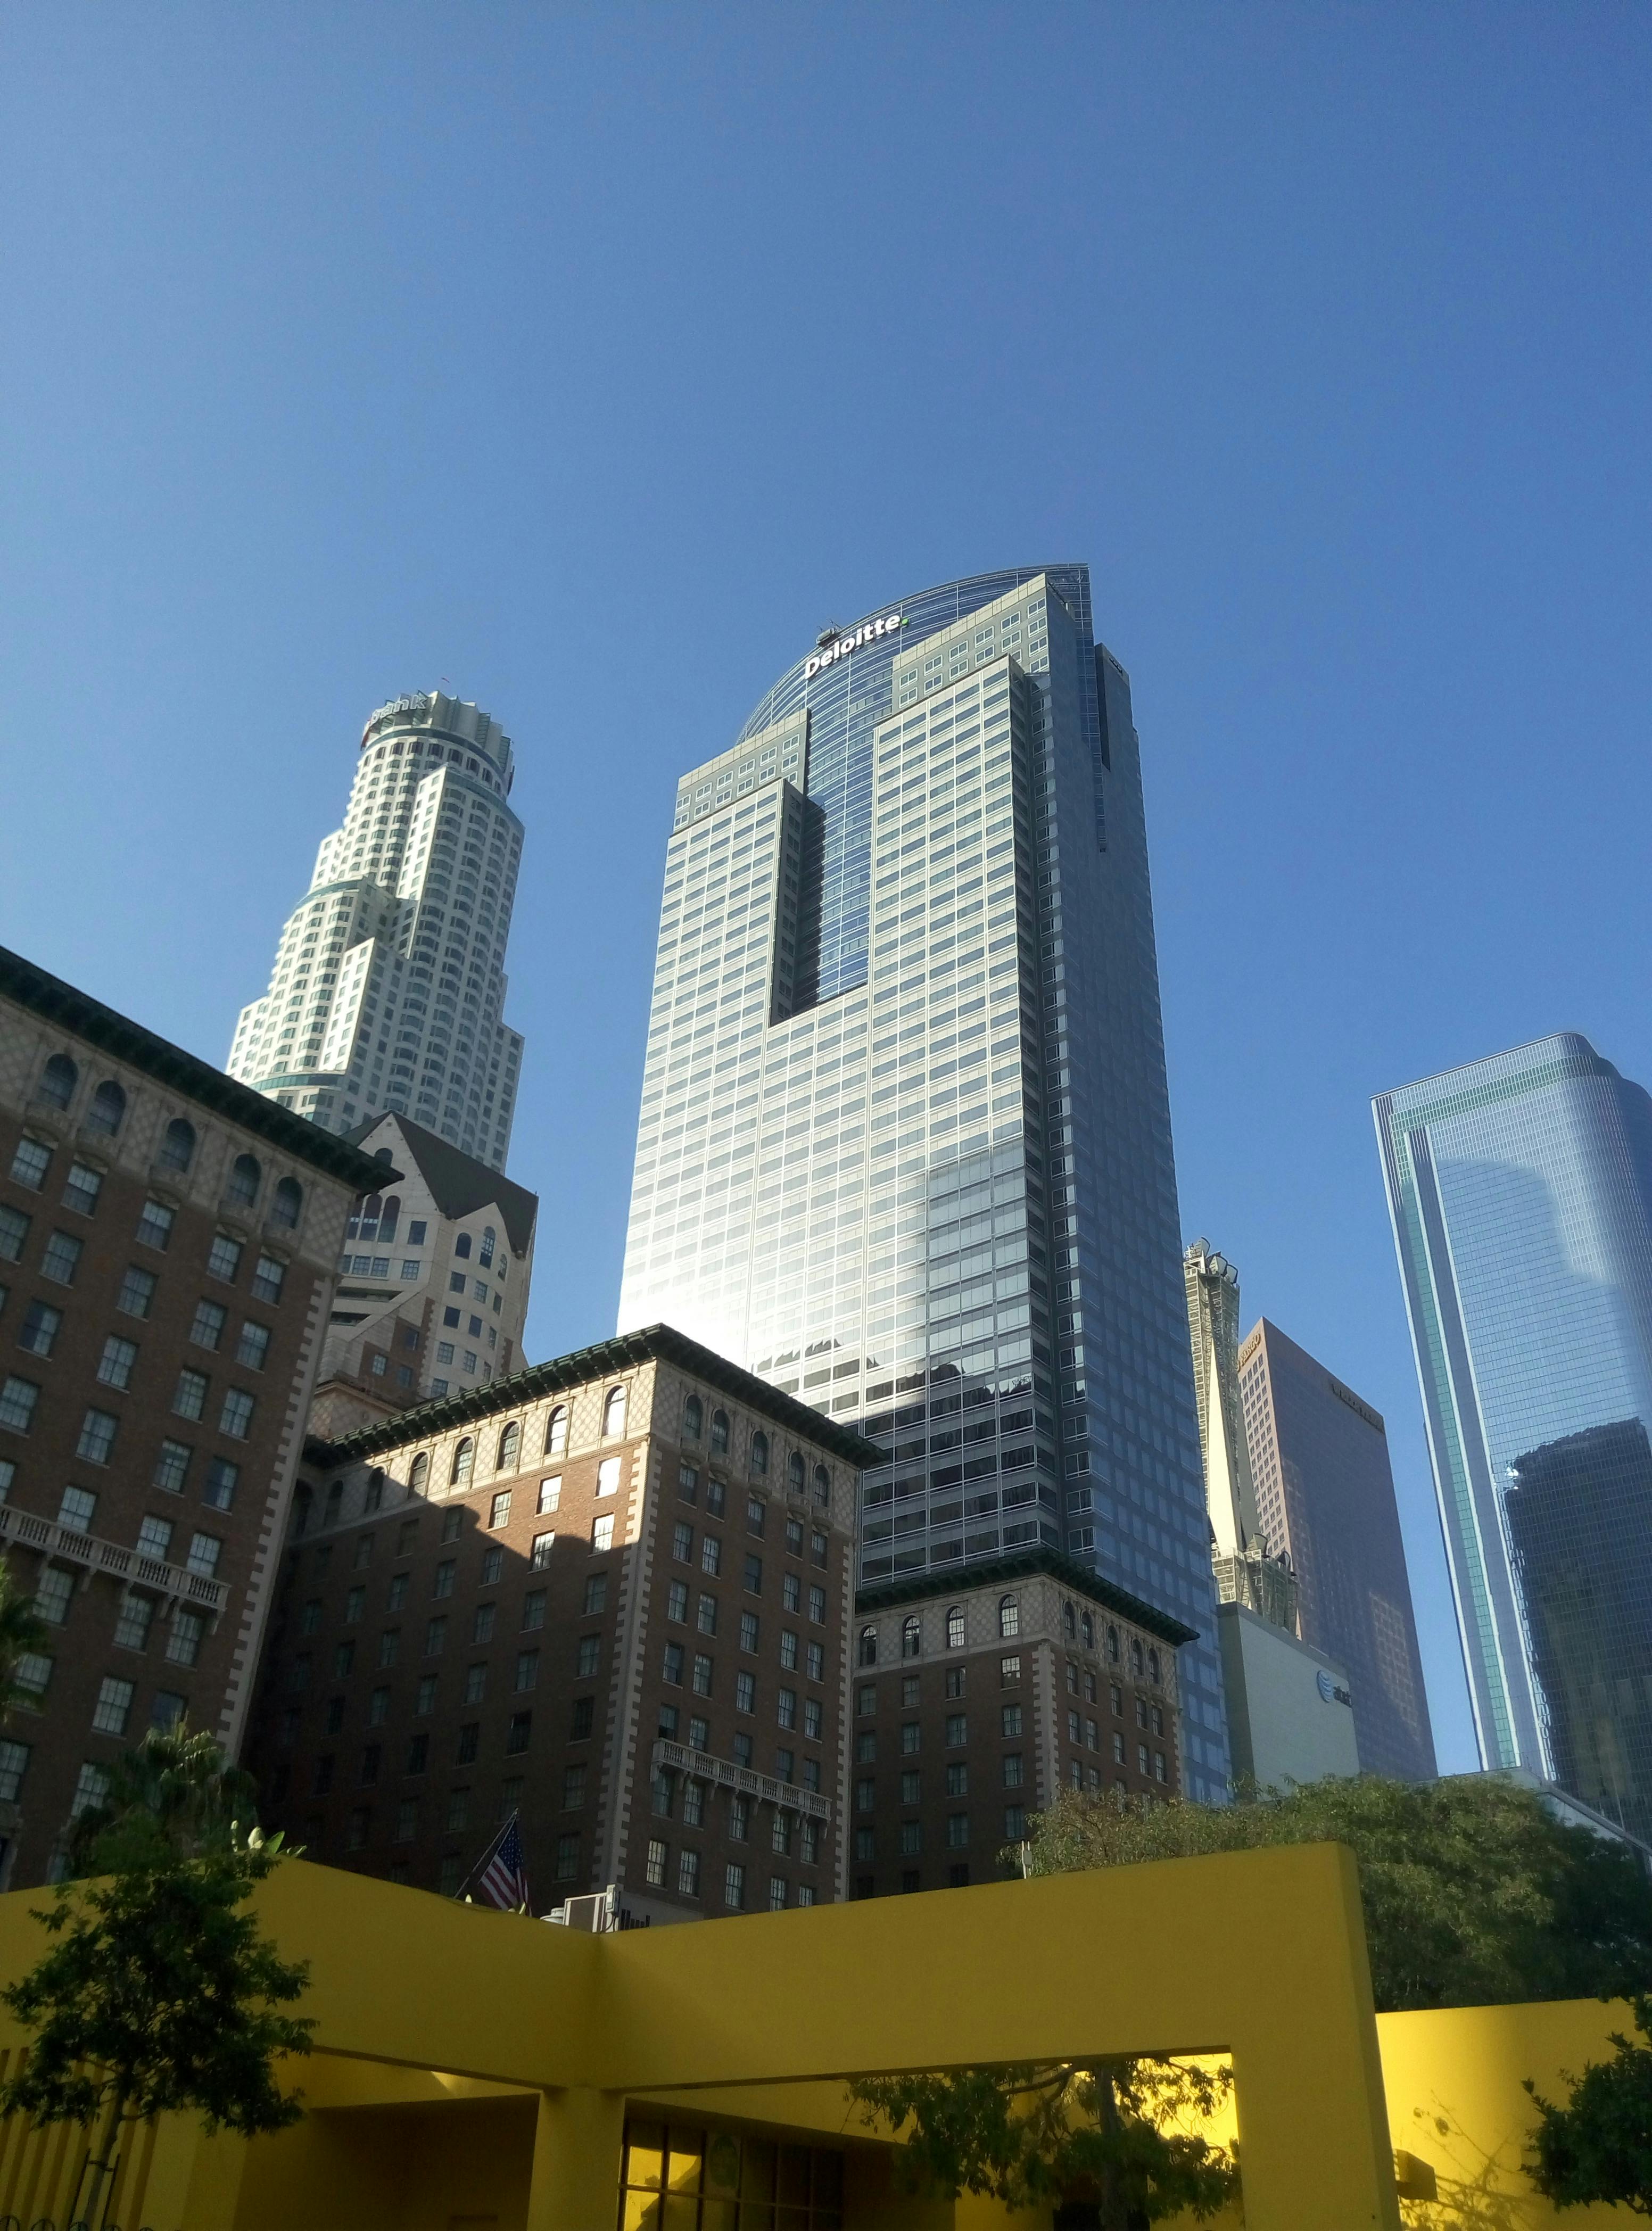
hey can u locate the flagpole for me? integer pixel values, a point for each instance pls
(505, 1827)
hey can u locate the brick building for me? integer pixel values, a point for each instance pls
(168, 1243)
(611, 1596)
(973, 1704)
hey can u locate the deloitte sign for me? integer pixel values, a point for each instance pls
(873, 631)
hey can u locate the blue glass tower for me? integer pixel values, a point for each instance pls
(1520, 1190)
(904, 1144)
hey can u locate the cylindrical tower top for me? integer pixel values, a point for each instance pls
(454, 719)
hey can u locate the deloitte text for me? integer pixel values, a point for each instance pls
(845, 644)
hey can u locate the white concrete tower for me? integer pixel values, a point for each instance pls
(388, 989)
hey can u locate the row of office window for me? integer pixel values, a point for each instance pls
(1145, 1663)
(508, 1450)
(104, 1116)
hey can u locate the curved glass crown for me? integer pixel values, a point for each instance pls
(844, 695)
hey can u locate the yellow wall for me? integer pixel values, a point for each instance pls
(760, 2019)
(1453, 2083)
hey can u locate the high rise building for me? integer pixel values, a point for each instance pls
(1588, 1617)
(1324, 1490)
(610, 1597)
(904, 1146)
(1520, 1189)
(979, 1695)
(433, 1282)
(388, 990)
(168, 1243)
(1247, 1570)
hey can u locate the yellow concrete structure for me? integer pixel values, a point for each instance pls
(475, 2071)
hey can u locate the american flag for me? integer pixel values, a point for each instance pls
(504, 1881)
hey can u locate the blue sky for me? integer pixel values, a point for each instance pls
(593, 358)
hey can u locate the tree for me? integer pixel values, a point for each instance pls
(1598, 2146)
(158, 1993)
(22, 1629)
(177, 1791)
(1111, 2145)
(1473, 1893)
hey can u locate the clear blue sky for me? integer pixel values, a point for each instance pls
(593, 358)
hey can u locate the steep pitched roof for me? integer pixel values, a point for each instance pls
(459, 1184)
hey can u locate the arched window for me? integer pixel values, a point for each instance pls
(1136, 1666)
(245, 1178)
(693, 1419)
(289, 1204)
(1088, 1626)
(759, 1453)
(1009, 1617)
(108, 1109)
(510, 1446)
(1069, 1622)
(334, 1500)
(418, 1478)
(867, 1655)
(795, 1472)
(177, 1145)
(613, 1412)
(719, 1432)
(375, 1491)
(1153, 1666)
(822, 1485)
(464, 1456)
(911, 1636)
(389, 1216)
(461, 1245)
(1113, 1645)
(556, 1431)
(57, 1082)
(302, 1501)
(954, 1627)
(485, 1254)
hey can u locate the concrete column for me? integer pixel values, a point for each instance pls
(577, 2142)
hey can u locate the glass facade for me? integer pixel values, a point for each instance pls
(904, 1146)
(1324, 1489)
(1520, 1189)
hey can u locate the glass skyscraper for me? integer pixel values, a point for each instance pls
(904, 1147)
(1520, 1189)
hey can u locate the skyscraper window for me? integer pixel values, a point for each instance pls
(904, 1144)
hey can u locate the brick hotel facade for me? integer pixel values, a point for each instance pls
(611, 1596)
(972, 1705)
(167, 1245)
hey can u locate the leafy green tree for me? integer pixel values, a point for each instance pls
(157, 1993)
(22, 1630)
(1598, 2146)
(1473, 1893)
(1111, 2144)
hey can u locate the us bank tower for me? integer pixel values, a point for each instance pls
(904, 1147)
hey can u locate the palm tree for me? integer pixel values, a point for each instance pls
(22, 1630)
(176, 1792)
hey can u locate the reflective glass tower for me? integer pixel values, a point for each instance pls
(904, 1146)
(1520, 1189)
(388, 990)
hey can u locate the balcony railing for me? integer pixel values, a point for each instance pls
(745, 1778)
(22, 1530)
